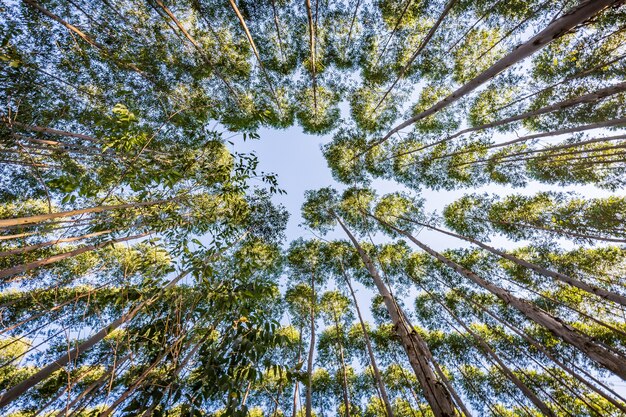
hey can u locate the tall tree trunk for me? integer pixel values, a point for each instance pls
(356, 10)
(57, 258)
(277, 25)
(17, 236)
(370, 351)
(17, 390)
(557, 28)
(94, 386)
(555, 231)
(309, 370)
(233, 5)
(50, 310)
(175, 374)
(141, 377)
(511, 157)
(419, 50)
(541, 348)
(30, 248)
(599, 125)
(592, 289)
(416, 349)
(597, 155)
(203, 54)
(491, 354)
(580, 74)
(344, 375)
(48, 130)
(86, 38)
(309, 14)
(592, 97)
(22, 221)
(393, 31)
(297, 384)
(595, 351)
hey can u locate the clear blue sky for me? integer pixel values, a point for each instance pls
(298, 161)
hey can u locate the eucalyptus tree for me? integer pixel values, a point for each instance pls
(321, 212)
(557, 28)
(342, 261)
(305, 267)
(335, 308)
(142, 273)
(545, 214)
(396, 214)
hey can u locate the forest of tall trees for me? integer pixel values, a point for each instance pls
(145, 266)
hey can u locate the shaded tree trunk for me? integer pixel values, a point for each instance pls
(30, 248)
(593, 97)
(57, 258)
(416, 349)
(491, 354)
(17, 390)
(370, 351)
(22, 221)
(592, 289)
(600, 354)
(419, 50)
(557, 28)
(309, 14)
(309, 401)
(607, 123)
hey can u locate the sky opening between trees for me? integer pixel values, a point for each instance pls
(274, 208)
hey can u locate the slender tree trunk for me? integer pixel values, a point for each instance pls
(30, 248)
(592, 289)
(196, 45)
(607, 123)
(417, 351)
(580, 74)
(17, 390)
(597, 352)
(17, 236)
(356, 10)
(94, 386)
(309, 14)
(419, 50)
(541, 348)
(309, 385)
(51, 309)
(141, 378)
(344, 375)
(370, 351)
(393, 31)
(61, 393)
(297, 383)
(57, 258)
(233, 5)
(547, 150)
(26, 164)
(86, 38)
(556, 231)
(22, 221)
(491, 354)
(596, 155)
(593, 97)
(176, 372)
(277, 25)
(557, 28)
(70, 27)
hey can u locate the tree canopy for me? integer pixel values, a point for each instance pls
(145, 268)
